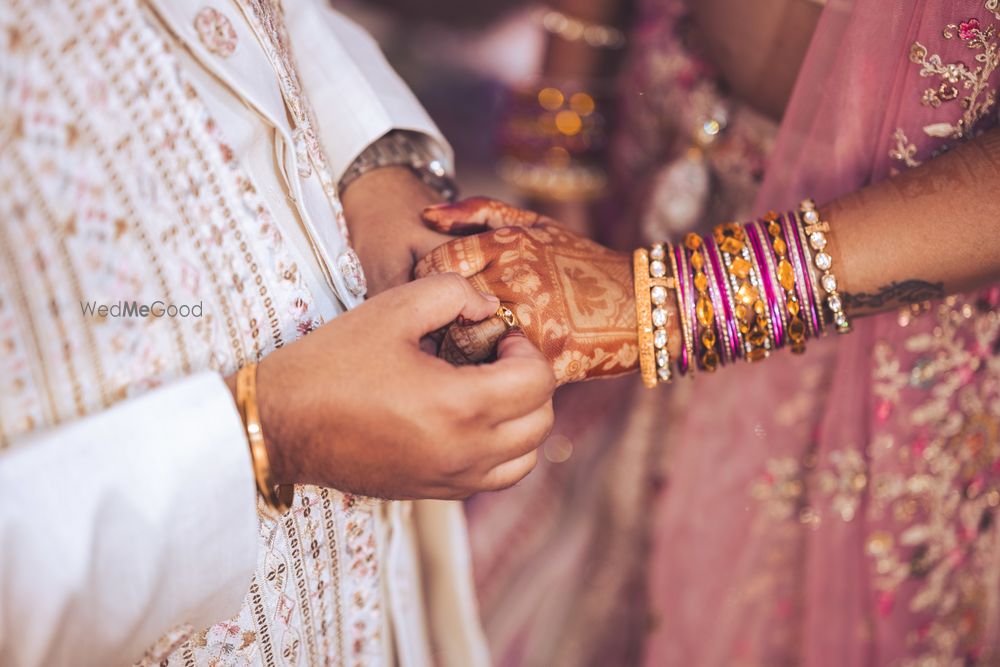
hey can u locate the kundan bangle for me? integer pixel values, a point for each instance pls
(726, 304)
(749, 309)
(704, 310)
(660, 316)
(815, 230)
(644, 316)
(764, 265)
(276, 498)
(796, 331)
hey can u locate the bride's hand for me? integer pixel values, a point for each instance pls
(573, 298)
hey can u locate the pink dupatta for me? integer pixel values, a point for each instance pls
(840, 509)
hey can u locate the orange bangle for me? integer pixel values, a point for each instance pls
(786, 278)
(277, 498)
(704, 311)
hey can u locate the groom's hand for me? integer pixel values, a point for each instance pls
(383, 209)
(358, 406)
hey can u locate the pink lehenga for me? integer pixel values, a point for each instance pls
(836, 509)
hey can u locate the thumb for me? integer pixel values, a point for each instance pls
(428, 304)
(478, 214)
(515, 345)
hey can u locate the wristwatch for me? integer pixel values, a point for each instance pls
(404, 149)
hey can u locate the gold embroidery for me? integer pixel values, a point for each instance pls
(28, 319)
(110, 167)
(904, 151)
(954, 79)
(169, 178)
(267, 20)
(68, 263)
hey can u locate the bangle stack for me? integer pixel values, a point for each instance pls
(740, 293)
(276, 498)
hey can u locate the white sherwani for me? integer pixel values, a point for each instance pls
(164, 152)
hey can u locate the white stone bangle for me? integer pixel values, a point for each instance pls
(660, 314)
(816, 231)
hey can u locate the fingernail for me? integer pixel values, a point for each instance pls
(491, 297)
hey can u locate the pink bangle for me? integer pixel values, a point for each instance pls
(678, 262)
(802, 283)
(724, 305)
(765, 269)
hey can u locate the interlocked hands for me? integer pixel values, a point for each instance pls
(572, 297)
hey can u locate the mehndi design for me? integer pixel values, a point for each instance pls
(573, 297)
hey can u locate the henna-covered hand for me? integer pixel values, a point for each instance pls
(573, 298)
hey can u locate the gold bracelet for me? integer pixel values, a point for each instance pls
(644, 317)
(277, 498)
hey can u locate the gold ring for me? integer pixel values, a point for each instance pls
(507, 316)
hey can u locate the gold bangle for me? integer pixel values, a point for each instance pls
(786, 278)
(277, 498)
(644, 317)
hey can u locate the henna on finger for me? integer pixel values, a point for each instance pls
(472, 343)
(479, 214)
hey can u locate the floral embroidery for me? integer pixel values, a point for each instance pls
(954, 79)
(571, 364)
(150, 176)
(936, 508)
(930, 495)
(268, 23)
(216, 32)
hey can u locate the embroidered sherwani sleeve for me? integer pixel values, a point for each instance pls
(123, 525)
(356, 95)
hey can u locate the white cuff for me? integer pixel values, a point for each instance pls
(356, 95)
(122, 525)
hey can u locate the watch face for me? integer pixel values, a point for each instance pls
(354, 276)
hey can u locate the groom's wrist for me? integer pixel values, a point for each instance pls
(382, 209)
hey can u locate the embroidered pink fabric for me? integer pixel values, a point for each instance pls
(856, 523)
(831, 510)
